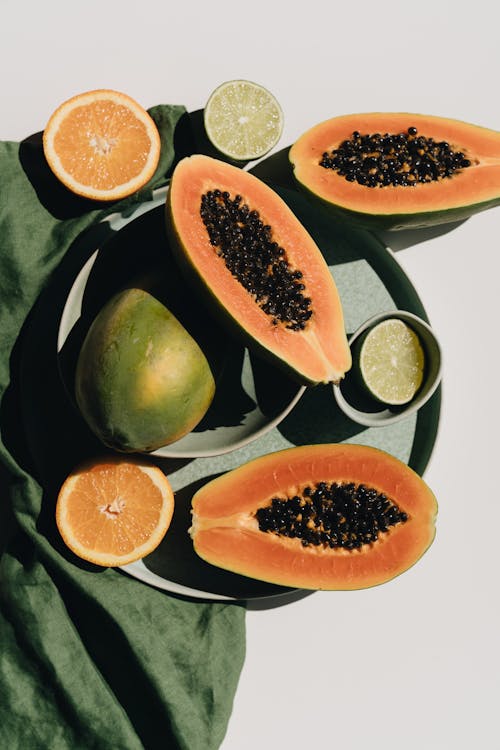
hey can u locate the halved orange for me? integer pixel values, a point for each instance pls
(113, 511)
(102, 145)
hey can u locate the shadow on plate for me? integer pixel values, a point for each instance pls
(138, 256)
(329, 424)
(250, 393)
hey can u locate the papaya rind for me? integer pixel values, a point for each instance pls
(396, 222)
(225, 534)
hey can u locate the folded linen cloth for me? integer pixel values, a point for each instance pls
(88, 658)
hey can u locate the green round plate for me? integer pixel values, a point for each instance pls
(369, 280)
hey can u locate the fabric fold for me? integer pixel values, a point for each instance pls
(89, 658)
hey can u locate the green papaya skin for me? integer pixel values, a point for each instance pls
(433, 198)
(395, 222)
(142, 381)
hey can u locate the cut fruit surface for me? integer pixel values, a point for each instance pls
(246, 253)
(112, 512)
(243, 120)
(333, 517)
(391, 362)
(102, 145)
(395, 170)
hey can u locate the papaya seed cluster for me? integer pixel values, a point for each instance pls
(405, 159)
(253, 257)
(335, 515)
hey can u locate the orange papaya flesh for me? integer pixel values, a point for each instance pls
(297, 321)
(227, 518)
(445, 199)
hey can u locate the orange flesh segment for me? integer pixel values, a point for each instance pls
(321, 348)
(112, 509)
(480, 145)
(114, 514)
(102, 144)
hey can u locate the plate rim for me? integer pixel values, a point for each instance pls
(75, 298)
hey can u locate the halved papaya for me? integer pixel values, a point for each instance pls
(339, 516)
(399, 170)
(258, 267)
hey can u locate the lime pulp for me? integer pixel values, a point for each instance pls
(391, 362)
(243, 120)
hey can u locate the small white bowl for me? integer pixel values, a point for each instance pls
(358, 406)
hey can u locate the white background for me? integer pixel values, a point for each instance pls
(414, 664)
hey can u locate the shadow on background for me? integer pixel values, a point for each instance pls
(403, 238)
(57, 199)
(277, 169)
(188, 138)
(138, 256)
(41, 429)
(175, 559)
(200, 141)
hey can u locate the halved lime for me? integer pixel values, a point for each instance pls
(243, 120)
(391, 362)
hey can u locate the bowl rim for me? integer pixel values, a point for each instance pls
(386, 416)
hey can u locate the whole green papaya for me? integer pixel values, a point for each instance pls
(141, 379)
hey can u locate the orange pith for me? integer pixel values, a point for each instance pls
(102, 144)
(114, 511)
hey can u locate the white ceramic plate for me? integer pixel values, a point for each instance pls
(252, 396)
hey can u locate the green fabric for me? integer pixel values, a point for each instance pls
(89, 658)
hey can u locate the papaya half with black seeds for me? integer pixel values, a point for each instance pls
(258, 268)
(399, 170)
(333, 516)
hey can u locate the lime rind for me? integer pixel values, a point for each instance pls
(243, 120)
(392, 362)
